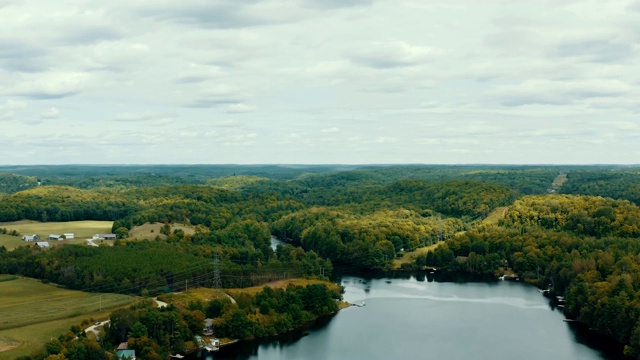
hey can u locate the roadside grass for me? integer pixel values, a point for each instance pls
(411, 256)
(10, 242)
(33, 313)
(82, 230)
(149, 231)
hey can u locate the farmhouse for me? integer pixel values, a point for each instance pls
(208, 327)
(69, 235)
(33, 237)
(43, 245)
(104, 237)
(55, 237)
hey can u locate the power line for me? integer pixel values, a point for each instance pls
(217, 283)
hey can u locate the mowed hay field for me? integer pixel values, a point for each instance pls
(81, 229)
(33, 312)
(411, 256)
(149, 231)
(10, 242)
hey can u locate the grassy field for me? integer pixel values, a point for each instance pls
(410, 256)
(150, 231)
(559, 181)
(33, 312)
(10, 242)
(496, 215)
(182, 299)
(281, 284)
(81, 229)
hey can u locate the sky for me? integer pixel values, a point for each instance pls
(319, 82)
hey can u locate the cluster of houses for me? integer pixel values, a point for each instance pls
(66, 236)
(55, 237)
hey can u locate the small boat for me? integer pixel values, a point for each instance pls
(214, 345)
(177, 356)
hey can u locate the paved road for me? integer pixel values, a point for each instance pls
(94, 328)
(161, 304)
(230, 298)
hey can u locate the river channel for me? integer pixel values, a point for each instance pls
(432, 317)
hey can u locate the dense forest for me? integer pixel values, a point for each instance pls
(579, 238)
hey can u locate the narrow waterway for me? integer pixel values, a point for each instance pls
(413, 318)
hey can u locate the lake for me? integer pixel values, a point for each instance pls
(408, 318)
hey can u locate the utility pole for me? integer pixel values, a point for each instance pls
(186, 286)
(100, 302)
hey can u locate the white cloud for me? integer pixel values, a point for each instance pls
(10, 109)
(51, 85)
(51, 113)
(392, 54)
(146, 116)
(275, 80)
(240, 108)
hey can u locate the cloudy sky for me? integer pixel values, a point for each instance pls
(319, 81)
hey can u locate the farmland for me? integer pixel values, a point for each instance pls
(10, 242)
(81, 229)
(33, 312)
(150, 231)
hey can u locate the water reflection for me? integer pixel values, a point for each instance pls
(494, 319)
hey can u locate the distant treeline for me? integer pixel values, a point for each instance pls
(154, 267)
(616, 184)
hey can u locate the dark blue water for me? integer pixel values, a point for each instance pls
(410, 318)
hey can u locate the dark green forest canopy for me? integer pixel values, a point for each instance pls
(613, 183)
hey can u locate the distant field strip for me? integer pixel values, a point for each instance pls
(81, 229)
(559, 181)
(26, 301)
(410, 256)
